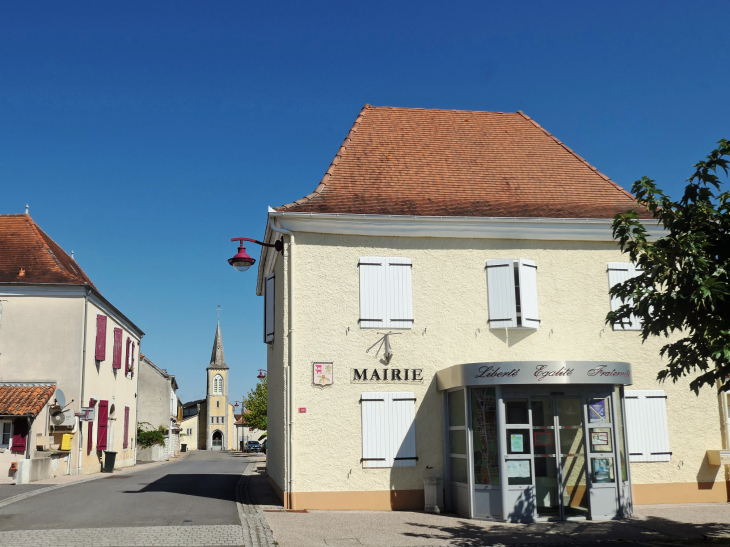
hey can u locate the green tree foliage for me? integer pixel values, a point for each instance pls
(255, 402)
(684, 286)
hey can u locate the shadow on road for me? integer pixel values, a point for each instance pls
(461, 533)
(206, 485)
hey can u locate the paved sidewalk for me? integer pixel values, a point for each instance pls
(172, 536)
(651, 525)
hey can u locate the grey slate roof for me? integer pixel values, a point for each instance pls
(217, 359)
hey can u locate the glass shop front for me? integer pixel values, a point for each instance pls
(536, 440)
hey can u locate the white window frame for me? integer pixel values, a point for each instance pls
(386, 292)
(218, 384)
(618, 272)
(512, 305)
(388, 429)
(647, 428)
(6, 446)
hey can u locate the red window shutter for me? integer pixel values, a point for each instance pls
(89, 441)
(126, 361)
(126, 427)
(117, 357)
(100, 353)
(131, 367)
(20, 435)
(102, 426)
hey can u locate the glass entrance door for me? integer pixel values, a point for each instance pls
(559, 457)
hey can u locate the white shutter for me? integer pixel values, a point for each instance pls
(618, 272)
(269, 309)
(374, 429)
(403, 429)
(372, 292)
(388, 429)
(399, 310)
(501, 294)
(528, 293)
(647, 430)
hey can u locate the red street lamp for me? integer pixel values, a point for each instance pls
(262, 374)
(241, 261)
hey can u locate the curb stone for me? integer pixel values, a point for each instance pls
(256, 530)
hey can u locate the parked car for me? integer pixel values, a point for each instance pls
(253, 446)
(263, 446)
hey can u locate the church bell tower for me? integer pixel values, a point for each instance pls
(217, 429)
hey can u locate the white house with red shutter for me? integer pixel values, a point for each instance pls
(58, 334)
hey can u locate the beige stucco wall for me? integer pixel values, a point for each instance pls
(41, 339)
(277, 360)
(104, 383)
(191, 439)
(450, 312)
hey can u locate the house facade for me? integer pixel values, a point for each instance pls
(158, 405)
(57, 328)
(440, 303)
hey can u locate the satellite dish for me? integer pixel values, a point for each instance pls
(60, 398)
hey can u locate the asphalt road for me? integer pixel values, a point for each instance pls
(200, 490)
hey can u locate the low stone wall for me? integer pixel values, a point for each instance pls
(37, 469)
(155, 453)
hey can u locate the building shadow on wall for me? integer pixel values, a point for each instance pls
(512, 337)
(406, 483)
(470, 533)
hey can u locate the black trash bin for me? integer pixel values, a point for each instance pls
(109, 459)
(184, 447)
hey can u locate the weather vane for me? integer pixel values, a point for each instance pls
(218, 309)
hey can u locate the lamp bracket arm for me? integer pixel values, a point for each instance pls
(278, 244)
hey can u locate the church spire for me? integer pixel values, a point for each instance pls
(217, 359)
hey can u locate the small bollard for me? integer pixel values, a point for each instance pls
(433, 493)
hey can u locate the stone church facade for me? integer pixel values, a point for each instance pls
(210, 421)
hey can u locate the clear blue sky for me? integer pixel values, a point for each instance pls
(144, 135)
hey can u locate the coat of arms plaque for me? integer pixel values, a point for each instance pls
(323, 374)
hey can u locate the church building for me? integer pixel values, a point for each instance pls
(209, 424)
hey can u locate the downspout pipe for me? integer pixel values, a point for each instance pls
(290, 371)
(83, 378)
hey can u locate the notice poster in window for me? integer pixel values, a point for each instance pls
(602, 470)
(516, 443)
(518, 469)
(597, 411)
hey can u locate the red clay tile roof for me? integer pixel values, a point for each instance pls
(412, 161)
(22, 399)
(24, 245)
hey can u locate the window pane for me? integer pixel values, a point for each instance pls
(542, 412)
(458, 470)
(484, 422)
(518, 441)
(457, 441)
(516, 411)
(456, 408)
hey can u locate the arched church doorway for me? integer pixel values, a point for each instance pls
(217, 440)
